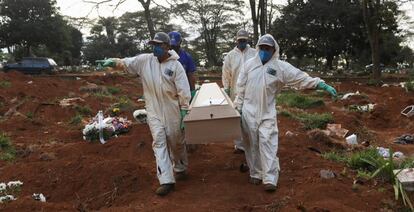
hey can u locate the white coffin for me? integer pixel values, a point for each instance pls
(212, 117)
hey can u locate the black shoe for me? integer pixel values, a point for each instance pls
(269, 187)
(180, 176)
(254, 181)
(164, 189)
(237, 150)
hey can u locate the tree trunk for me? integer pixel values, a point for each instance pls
(254, 20)
(370, 12)
(148, 18)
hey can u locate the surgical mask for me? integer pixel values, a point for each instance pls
(265, 55)
(158, 51)
(242, 45)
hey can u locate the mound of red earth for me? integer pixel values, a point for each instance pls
(73, 174)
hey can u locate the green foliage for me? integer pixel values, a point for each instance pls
(334, 156)
(83, 110)
(409, 86)
(358, 160)
(30, 115)
(23, 26)
(113, 90)
(310, 120)
(5, 84)
(7, 151)
(76, 120)
(292, 99)
(102, 95)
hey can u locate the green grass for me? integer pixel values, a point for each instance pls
(76, 120)
(83, 110)
(5, 84)
(30, 115)
(369, 164)
(334, 156)
(7, 151)
(124, 103)
(409, 85)
(310, 120)
(102, 95)
(114, 90)
(293, 99)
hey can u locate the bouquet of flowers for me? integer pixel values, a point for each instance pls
(110, 126)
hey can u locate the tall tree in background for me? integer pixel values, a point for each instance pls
(209, 17)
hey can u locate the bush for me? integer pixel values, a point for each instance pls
(7, 151)
(292, 99)
(76, 120)
(5, 84)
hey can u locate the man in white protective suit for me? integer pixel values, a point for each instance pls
(257, 85)
(167, 96)
(233, 63)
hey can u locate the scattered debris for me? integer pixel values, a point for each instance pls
(39, 197)
(335, 130)
(385, 153)
(7, 198)
(320, 136)
(385, 85)
(30, 82)
(346, 96)
(408, 111)
(327, 174)
(92, 87)
(352, 139)
(140, 116)
(103, 128)
(313, 149)
(289, 134)
(405, 139)
(406, 178)
(48, 156)
(362, 108)
(70, 101)
(14, 184)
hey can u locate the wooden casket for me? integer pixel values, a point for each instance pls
(212, 117)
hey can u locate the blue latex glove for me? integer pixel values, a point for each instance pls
(327, 88)
(107, 63)
(183, 113)
(227, 90)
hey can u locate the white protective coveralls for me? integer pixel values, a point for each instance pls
(232, 65)
(257, 86)
(166, 90)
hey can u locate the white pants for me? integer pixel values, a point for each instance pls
(261, 143)
(239, 143)
(169, 150)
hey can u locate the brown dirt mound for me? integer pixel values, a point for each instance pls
(120, 175)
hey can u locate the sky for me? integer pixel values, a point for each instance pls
(78, 8)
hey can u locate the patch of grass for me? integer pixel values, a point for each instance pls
(113, 90)
(76, 120)
(7, 151)
(30, 115)
(102, 95)
(409, 86)
(314, 120)
(293, 99)
(124, 103)
(370, 164)
(310, 120)
(5, 84)
(334, 156)
(83, 110)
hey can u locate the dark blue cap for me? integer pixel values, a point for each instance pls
(175, 38)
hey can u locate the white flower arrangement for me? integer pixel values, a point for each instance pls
(6, 198)
(140, 116)
(3, 187)
(14, 184)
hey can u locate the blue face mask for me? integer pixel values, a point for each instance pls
(242, 45)
(158, 51)
(265, 55)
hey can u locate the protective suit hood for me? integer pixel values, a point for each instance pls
(276, 46)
